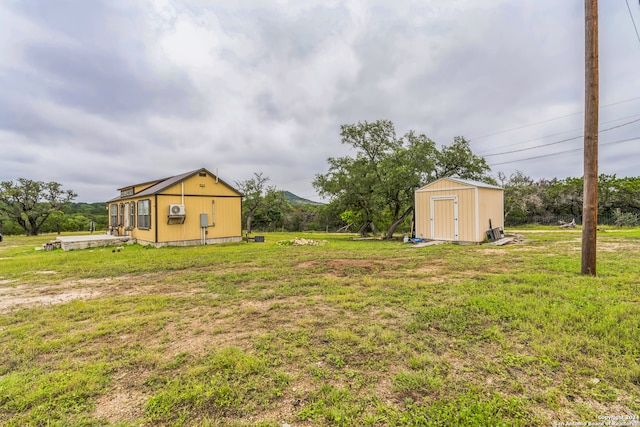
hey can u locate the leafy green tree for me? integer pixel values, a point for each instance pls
(252, 190)
(522, 195)
(29, 203)
(329, 218)
(353, 183)
(303, 218)
(272, 212)
(564, 196)
(458, 159)
(412, 164)
(377, 186)
(620, 193)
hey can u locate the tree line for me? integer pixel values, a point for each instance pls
(546, 200)
(370, 191)
(33, 207)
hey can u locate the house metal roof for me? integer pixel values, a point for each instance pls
(165, 183)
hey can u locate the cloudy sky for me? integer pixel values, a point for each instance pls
(101, 94)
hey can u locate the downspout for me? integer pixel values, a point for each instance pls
(183, 193)
(155, 208)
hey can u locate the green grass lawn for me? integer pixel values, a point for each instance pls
(346, 333)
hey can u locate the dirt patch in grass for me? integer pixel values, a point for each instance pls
(23, 296)
(340, 268)
(617, 247)
(125, 401)
(429, 269)
(308, 264)
(494, 251)
(10, 302)
(345, 263)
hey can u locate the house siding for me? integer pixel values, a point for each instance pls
(201, 193)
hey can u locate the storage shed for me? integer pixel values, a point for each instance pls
(455, 209)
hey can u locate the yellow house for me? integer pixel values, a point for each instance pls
(189, 209)
(455, 209)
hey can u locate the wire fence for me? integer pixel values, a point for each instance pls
(556, 220)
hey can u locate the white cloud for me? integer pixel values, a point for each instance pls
(103, 96)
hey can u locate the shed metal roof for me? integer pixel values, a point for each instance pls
(464, 182)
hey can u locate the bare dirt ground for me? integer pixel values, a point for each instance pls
(32, 295)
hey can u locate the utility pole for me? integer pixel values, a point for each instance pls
(590, 201)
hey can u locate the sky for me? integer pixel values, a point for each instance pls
(98, 95)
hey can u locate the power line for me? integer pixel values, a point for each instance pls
(525, 126)
(558, 142)
(533, 148)
(549, 120)
(562, 152)
(633, 20)
(552, 135)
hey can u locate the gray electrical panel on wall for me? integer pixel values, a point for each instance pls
(204, 220)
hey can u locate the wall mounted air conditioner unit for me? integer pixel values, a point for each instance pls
(176, 210)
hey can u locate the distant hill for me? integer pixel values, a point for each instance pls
(299, 201)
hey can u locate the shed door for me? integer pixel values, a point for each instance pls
(444, 218)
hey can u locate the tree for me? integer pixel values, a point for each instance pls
(29, 203)
(458, 159)
(272, 212)
(564, 196)
(521, 194)
(378, 184)
(252, 195)
(412, 164)
(354, 183)
(618, 193)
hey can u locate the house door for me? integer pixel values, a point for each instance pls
(126, 216)
(444, 218)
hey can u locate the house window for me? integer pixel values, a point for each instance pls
(144, 214)
(132, 214)
(114, 215)
(121, 223)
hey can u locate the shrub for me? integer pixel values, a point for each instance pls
(625, 219)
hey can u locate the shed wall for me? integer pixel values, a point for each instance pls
(490, 208)
(475, 206)
(466, 199)
(422, 212)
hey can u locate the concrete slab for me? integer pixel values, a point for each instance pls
(429, 243)
(68, 243)
(502, 241)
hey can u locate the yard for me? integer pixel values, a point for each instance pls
(343, 333)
